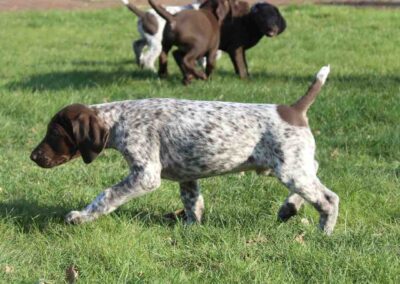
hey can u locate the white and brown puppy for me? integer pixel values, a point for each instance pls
(151, 26)
(183, 141)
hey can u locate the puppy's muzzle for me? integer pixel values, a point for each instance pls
(273, 32)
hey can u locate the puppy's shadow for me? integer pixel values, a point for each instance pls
(346, 81)
(30, 215)
(149, 216)
(77, 79)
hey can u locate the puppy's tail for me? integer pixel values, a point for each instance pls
(304, 103)
(162, 12)
(134, 9)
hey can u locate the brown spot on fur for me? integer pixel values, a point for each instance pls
(292, 116)
(150, 23)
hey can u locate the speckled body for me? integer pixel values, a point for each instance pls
(195, 139)
(185, 140)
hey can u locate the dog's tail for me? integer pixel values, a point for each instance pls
(303, 104)
(162, 12)
(134, 9)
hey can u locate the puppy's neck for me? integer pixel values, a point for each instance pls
(108, 113)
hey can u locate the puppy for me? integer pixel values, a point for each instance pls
(241, 33)
(184, 141)
(196, 34)
(151, 26)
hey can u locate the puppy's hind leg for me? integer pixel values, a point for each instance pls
(151, 54)
(187, 76)
(313, 191)
(137, 47)
(192, 200)
(189, 63)
(211, 60)
(163, 60)
(290, 207)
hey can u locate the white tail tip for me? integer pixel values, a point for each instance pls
(126, 2)
(323, 73)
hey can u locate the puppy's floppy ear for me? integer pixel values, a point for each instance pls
(90, 135)
(222, 10)
(239, 8)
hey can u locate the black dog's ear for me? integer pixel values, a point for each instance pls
(90, 135)
(282, 22)
(255, 7)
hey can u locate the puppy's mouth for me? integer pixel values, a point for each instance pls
(48, 164)
(273, 32)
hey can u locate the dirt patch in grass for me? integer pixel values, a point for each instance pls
(366, 3)
(18, 5)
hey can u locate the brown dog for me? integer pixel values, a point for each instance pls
(196, 33)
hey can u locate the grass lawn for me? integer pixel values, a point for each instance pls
(51, 59)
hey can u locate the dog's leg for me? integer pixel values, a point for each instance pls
(163, 61)
(138, 46)
(189, 62)
(313, 191)
(238, 61)
(152, 54)
(211, 59)
(245, 63)
(192, 201)
(139, 182)
(297, 170)
(187, 77)
(290, 207)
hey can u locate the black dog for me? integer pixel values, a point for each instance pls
(242, 33)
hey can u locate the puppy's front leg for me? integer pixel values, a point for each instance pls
(139, 182)
(239, 62)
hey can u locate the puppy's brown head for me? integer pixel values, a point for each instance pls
(74, 131)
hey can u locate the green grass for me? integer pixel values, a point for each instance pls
(51, 59)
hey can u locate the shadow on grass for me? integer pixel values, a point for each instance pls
(29, 215)
(80, 79)
(56, 81)
(148, 217)
(354, 81)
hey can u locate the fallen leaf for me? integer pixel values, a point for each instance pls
(71, 274)
(241, 174)
(172, 241)
(8, 268)
(257, 240)
(43, 281)
(335, 153)
(305, 221)
(300, 238)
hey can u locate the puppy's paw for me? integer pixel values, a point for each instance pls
(74, 218)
